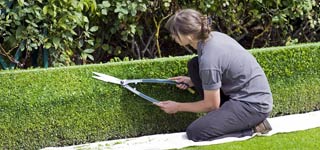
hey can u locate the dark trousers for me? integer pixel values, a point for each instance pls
(233, 118)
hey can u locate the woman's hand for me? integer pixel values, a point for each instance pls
(183, 79)
(169, 107)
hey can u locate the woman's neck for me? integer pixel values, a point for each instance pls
(194, 44)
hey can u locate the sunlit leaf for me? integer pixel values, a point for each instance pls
(21, 2)
(88, 51)
(104, 11)
(47, 45)
(94, 28)
(106, 4)
(56, 42)
(90, 57)
(45, 10)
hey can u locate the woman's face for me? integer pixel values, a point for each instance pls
(182, 40)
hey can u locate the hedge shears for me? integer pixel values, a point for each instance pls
(125, 84)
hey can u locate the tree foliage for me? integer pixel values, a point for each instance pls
(94, 31)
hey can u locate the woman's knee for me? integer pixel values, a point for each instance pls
(193, 133)
(197, 132)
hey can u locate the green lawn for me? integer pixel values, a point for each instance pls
(301, 140)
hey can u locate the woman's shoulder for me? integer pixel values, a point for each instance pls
(217, 38)
(223, 39)
(219, 34)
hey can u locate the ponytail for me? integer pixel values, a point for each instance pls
(189, 22)
(206, 23)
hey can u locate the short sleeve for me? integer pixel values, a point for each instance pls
(211, 79)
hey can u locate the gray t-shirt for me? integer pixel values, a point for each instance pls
(225, 64)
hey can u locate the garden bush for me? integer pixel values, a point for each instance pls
(65, 106)
(73, 32)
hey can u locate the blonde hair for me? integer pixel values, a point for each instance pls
(189, 22)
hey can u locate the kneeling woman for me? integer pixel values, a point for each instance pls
(235, 90)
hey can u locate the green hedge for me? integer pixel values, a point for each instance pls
(294, 76)
(65, 106)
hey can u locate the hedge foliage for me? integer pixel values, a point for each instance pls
(65, 106)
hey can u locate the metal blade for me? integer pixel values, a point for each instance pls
(146, 97)
(107, 78)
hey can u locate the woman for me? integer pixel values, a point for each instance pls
(235, 91)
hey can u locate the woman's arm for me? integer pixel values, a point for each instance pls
(211, 101)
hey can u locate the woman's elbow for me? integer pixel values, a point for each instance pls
(213, 107)
(210, 107)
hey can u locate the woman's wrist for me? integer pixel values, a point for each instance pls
(179, 106)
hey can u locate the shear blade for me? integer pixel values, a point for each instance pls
(106, 78)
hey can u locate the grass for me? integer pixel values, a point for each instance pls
(300, 140)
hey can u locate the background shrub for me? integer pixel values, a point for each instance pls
(62, 33)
